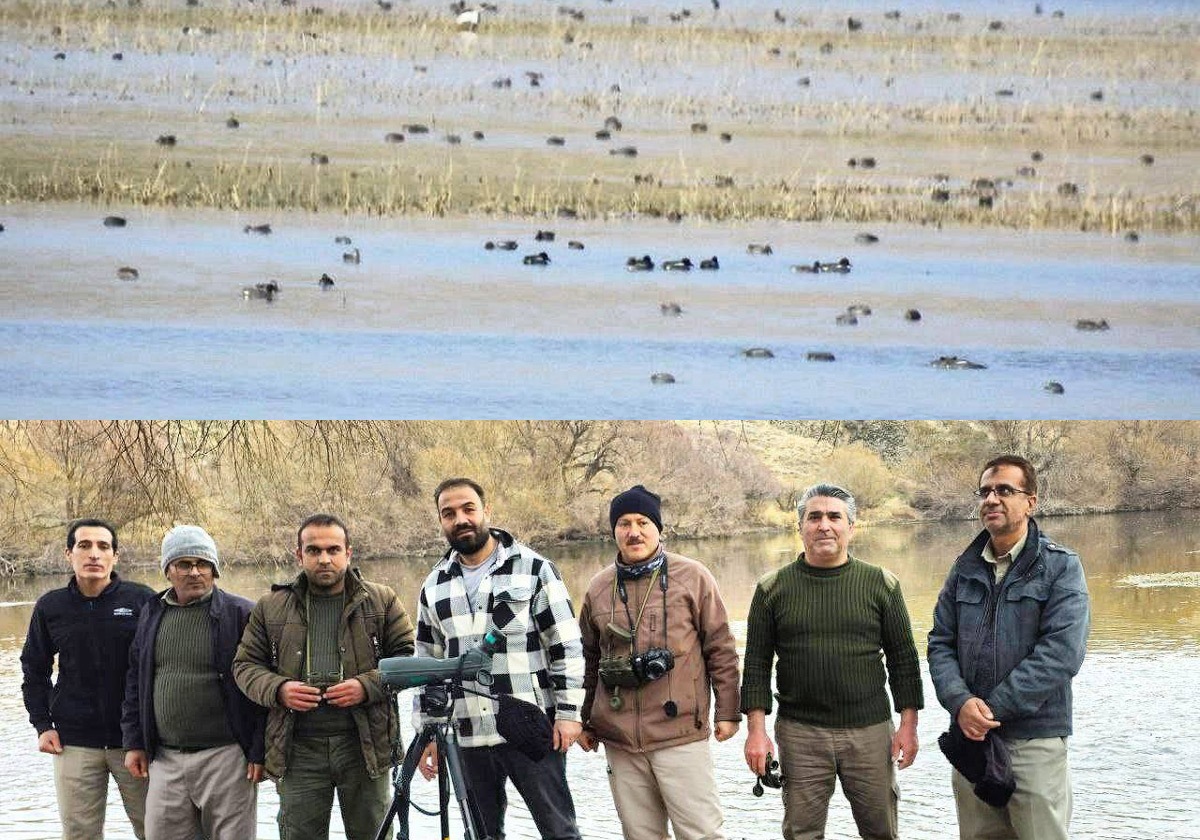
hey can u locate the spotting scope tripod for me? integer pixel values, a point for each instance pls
(440, 678)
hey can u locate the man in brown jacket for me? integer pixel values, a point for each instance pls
(657, 648)
(311, 655)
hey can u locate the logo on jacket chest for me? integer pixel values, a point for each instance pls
(122, 612)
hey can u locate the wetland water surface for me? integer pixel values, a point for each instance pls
(429, 323)
(1133, 755)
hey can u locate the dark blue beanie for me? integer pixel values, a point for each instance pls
(636, 499)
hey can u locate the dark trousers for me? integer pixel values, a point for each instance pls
(542, 784)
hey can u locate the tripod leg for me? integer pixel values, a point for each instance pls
(443, 793)
(473, 826)
(402, 784)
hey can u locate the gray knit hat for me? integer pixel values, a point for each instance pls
(190, 541)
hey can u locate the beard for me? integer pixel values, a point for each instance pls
(469, 541)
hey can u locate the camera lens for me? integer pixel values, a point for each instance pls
(655, 669)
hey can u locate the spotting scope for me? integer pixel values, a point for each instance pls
(400, 672)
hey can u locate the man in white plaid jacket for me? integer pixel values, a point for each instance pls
(489, 580)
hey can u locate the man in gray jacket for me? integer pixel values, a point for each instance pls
(1009, 633)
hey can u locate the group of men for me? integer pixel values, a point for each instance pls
(190, 696)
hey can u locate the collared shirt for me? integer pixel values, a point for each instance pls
(1001, 564)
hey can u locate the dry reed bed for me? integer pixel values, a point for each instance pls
(308, 83)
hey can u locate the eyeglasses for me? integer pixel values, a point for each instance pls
(1001, 490)
(186, 566)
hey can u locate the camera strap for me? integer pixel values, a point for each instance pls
(659, 574)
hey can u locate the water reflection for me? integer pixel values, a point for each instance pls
(1133, 754)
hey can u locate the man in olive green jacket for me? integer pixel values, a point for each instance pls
(310, 654)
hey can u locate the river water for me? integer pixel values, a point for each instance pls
(432, 325)
(1134, 754)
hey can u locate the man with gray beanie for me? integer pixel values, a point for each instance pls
(185, 723)
(657, 651)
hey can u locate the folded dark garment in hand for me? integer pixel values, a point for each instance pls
(985, 764)
(525, 726)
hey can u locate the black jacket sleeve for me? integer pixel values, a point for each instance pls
(37, 663)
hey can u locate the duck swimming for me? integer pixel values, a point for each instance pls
(643, 263)
(710, 264)
(326, 282)
(352, 257)
(670, 308)
(841, 266)
(127, 272)
(662, 379)
(757, 248)
(540, 258)
(955, 363)
(758, 353)
(261, 291)
(819, 356)
(684, 264)
(503, 245)
(1089, 325)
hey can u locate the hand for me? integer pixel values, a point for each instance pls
(587, 741)
(428, 763)
(566, 732)
(904, 746)
(254, 773)
(726, 729)
(137, 764)
(346, 693)
(975, 719)
(298, 696)
(758, 746)
(48, 742)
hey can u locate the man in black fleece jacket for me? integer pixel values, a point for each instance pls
(88, 625)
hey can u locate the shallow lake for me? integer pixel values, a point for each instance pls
(430, 324)
(1134, 757)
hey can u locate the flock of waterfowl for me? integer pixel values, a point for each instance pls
(267, 291)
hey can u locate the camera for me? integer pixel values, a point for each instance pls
(653, 664)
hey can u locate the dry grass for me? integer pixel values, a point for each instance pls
(336, 82)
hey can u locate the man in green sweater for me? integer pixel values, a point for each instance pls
(826, 617)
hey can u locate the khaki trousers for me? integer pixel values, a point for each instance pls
(201, 793)
(1040, 808)
(812, 757)
(675, 783)
(81, 783)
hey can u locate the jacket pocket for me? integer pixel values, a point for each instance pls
(510, 610)
(1026, 600)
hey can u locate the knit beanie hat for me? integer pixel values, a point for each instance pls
(190, 541)
(636, 499)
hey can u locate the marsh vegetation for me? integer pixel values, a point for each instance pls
(712, 114)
